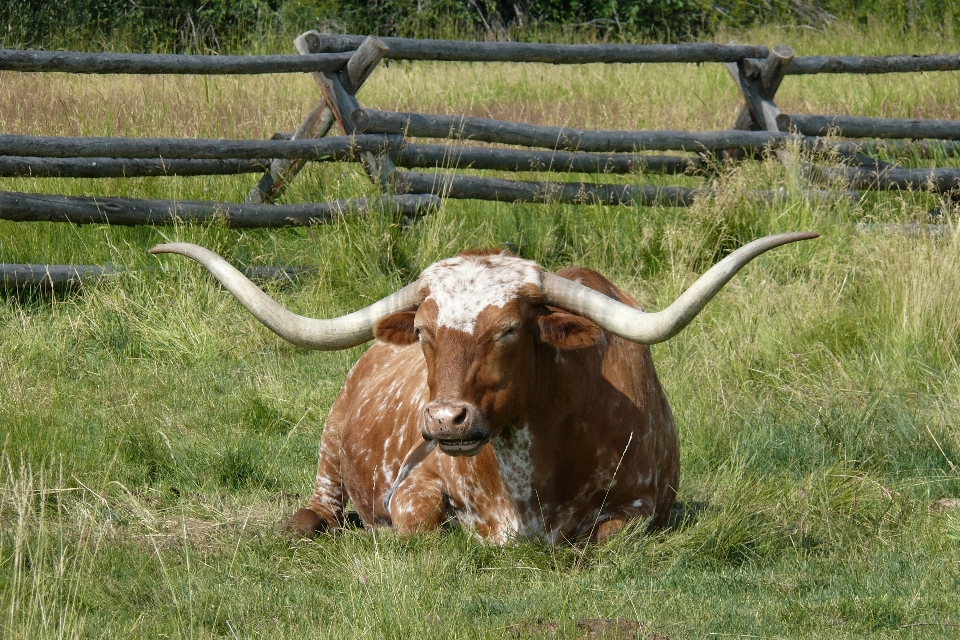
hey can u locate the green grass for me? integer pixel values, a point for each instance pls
(154, 435)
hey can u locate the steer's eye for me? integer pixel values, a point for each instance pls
(507, 334)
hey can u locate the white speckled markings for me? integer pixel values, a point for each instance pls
(516, 473)
(466, 285)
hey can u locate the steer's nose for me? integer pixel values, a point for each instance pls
(447, 421)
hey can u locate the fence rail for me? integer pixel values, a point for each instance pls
(466, 51)
(146, 63)
(337, 50)
(891, 128)
(429, 156)
(53, 276)
(943, 180)
(420, 125)
(476, 188)
(67, 276)
(809, 65)
(481, 188)
(34, 167)
(39, 207)
(918, 148)
(335, 148)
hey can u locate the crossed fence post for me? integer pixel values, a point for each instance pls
(339, 89)
(758, 82)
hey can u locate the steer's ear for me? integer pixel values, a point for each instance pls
(567, 331)
(396, 328)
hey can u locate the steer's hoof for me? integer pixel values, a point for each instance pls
(304, 524)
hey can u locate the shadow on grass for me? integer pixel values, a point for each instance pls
(685, 514)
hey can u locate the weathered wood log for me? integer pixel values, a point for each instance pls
(336, 148)
(281, 170)
(874, 64)
(66, 276)
(758, 85)
(342, 102)
(460, 51)
(32, 167)
(861, 127)
(464, 51)
(462, 187)
(915, 148)
(49, 276)
(891, 179)
(453, 50)
(427, 156)
(528, 135)
(362, 63)
(72, 62)
(412, 156)
(34, 207)
(774, 68)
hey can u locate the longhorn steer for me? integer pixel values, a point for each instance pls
(538, 389)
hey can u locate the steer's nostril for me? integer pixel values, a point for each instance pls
(460, 417)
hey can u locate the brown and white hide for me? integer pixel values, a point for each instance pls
(547, 426)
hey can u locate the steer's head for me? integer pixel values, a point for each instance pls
(479, 319)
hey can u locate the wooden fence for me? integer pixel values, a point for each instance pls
(381, 141)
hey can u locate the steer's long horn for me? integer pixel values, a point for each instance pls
(326, 335)
(650, 328)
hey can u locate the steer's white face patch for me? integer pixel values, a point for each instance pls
(464, 286)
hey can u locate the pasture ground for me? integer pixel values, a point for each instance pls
(154, 435)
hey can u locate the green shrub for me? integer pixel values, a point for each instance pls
(522, 19)
(158, 25)
(236, 25)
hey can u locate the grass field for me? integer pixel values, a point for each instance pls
(154, 435)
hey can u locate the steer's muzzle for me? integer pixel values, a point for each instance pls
(457, 427)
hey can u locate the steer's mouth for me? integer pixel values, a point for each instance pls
(457, 427)
(462, 447)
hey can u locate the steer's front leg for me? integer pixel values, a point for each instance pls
(418, 504)
(325, 507)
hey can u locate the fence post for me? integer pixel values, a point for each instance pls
(336, 89)
(318, 122)
(758, 82)
(316, 125)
